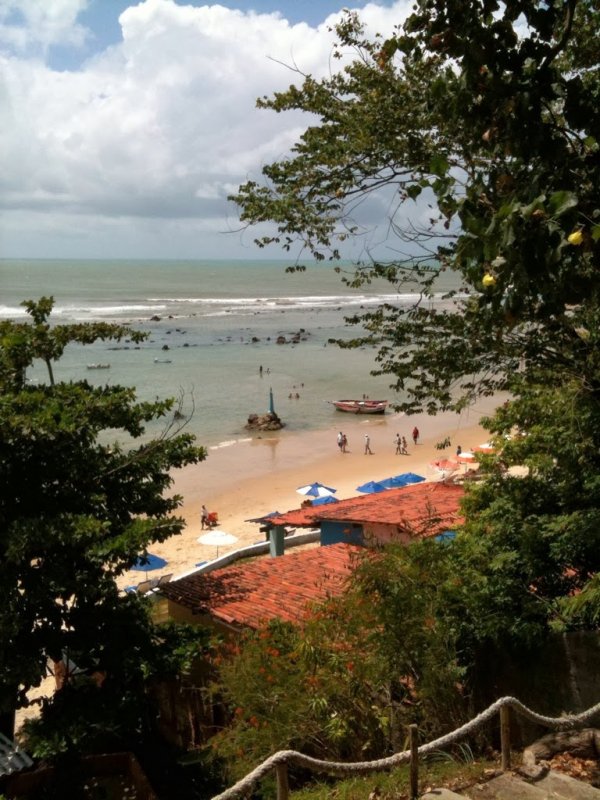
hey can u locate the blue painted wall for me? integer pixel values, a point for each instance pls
(334, 532)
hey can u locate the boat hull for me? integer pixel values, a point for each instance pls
(361, 406)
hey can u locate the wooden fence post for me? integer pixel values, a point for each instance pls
(283, 786)
(505, 736)
(414, 761)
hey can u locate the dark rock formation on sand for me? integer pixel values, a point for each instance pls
(264, 422)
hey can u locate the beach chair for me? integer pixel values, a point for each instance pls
(164, 579)
(146, 586)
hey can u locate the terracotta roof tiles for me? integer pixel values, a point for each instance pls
(411, 507)
(268, 588)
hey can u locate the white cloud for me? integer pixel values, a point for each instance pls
(26, 24)
(151, 134)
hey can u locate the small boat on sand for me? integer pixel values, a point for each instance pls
(98, 366)
(361, 406)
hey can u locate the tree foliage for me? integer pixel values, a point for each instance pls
(487, 114)
(76, 511)
(538, 534)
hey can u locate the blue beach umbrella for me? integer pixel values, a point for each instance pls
(445, 536)
(148, 562)
(324, 501)
(372, 487)
(398, 481)
(316, 490)
(410, 477)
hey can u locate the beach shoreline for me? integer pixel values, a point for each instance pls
(258, 474)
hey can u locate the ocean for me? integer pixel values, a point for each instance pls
(211, 326)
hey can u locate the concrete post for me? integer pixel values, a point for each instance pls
(276, 540)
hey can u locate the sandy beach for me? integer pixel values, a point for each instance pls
(260, 474)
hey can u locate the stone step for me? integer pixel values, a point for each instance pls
(506, 787)
(552, 786)
(559, 785)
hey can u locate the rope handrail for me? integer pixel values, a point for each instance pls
(566, 722)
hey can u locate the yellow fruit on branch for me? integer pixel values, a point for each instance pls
(488, 279)
(575, 238)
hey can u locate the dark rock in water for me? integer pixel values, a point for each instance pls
(281, 340)
(155, 318)
(165, 347)
(264, 422)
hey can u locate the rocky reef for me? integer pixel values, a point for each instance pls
(264, 422)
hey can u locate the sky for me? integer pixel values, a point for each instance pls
(127, 125)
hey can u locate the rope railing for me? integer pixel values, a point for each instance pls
(280, 761)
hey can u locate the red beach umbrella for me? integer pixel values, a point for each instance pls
(445, 465)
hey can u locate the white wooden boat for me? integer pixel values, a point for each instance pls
(361, 406)
(98, 366)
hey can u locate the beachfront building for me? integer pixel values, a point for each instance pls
(248, 594)
(401, 515)
(251, 594)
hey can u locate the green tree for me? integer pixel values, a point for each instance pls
(532, 541)
(489, 112)
(76, 512)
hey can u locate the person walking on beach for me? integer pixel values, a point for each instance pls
(368, 444)
(415, 434)
(340, 440)
(344, 442)
(404, 449)
(398, 444)
(204, 517)
(458, 451)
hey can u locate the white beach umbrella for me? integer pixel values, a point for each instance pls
(316, 490)
(217, 538)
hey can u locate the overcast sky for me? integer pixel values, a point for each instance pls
(125, 127)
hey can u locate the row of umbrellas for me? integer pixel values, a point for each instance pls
(465, 457)
(395, 482)
(324, 494)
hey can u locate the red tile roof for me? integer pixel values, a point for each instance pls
(268, 588)
(424, 508)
